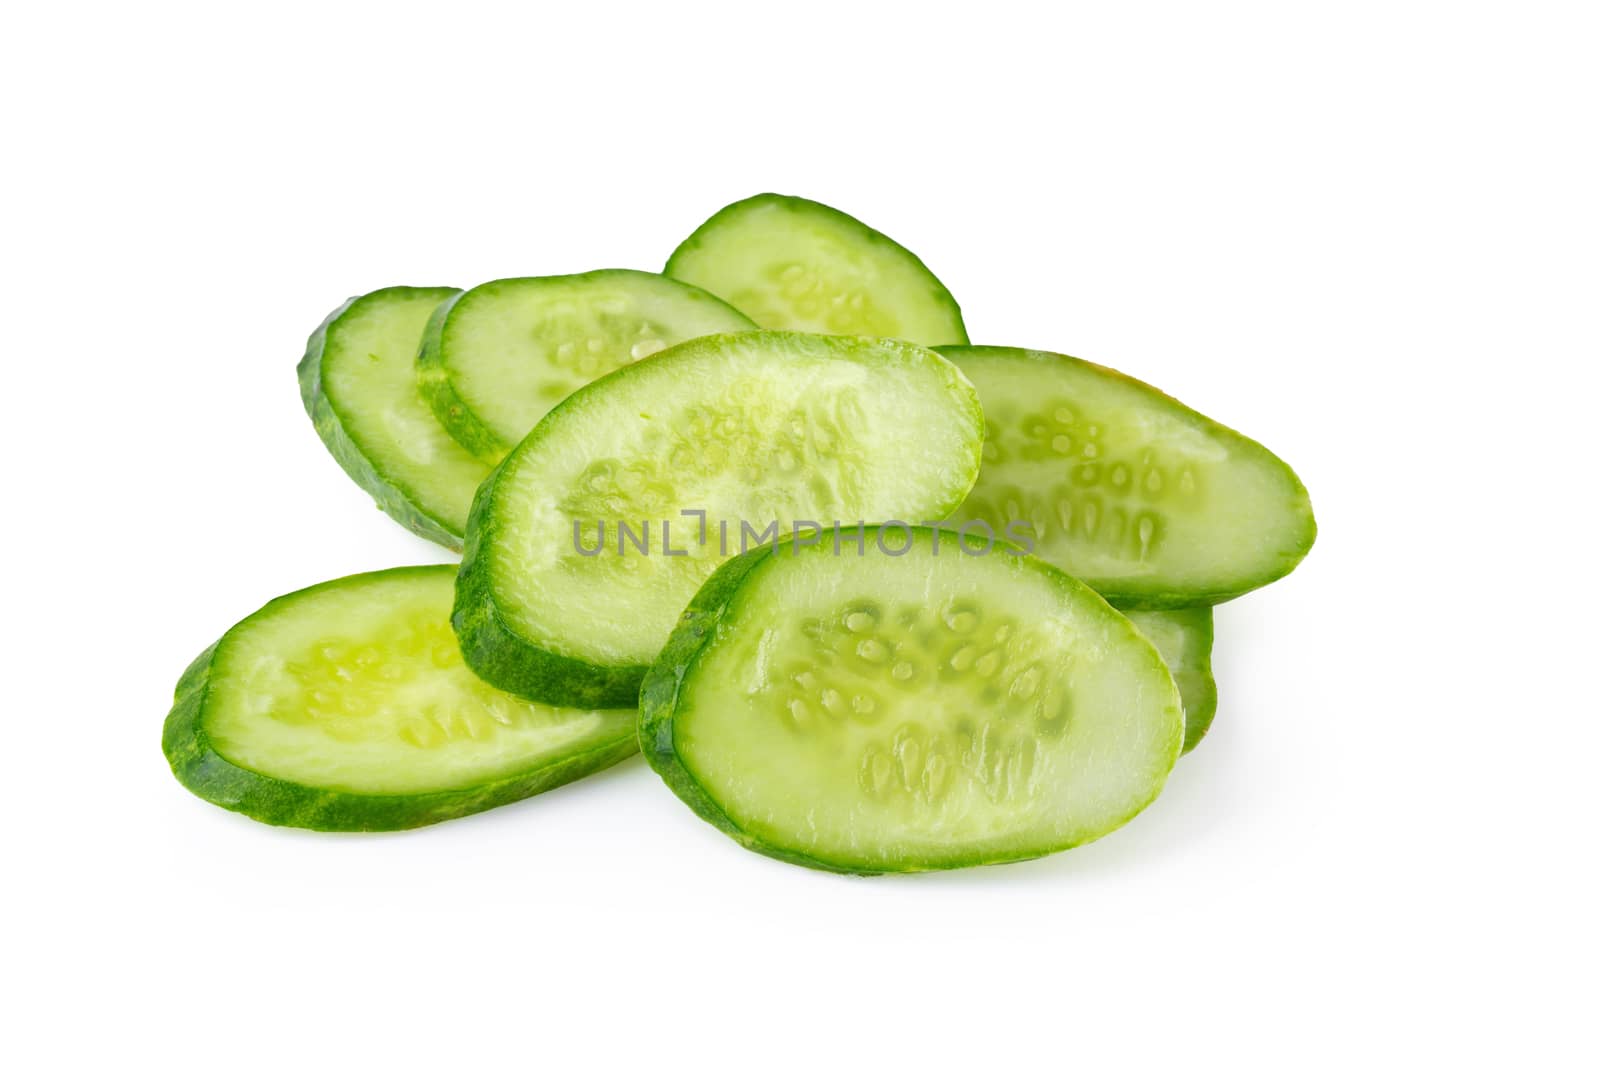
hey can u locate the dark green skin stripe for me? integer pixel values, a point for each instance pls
(663, 684)
(208, 775)
(506, 661)
(392, 500)
(439, 391)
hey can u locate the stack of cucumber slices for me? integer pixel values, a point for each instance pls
(868, 597)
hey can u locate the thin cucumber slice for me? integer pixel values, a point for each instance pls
(872, 711)
(346, 706)
(497, 357)
(1121, 486)
(1183, 638)
(793, 264)
(359, 383)
(700, 451)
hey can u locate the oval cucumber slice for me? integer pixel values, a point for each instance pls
(346, 706)
(498, 357)
(793, 264)
(755, 432)
(1184, 639)
(1150, 503)
(879, 712)
(359, 384)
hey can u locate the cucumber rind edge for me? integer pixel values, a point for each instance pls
(437, 385)
(938, 290)
(1198, 715)
(392, 499)
(693, 635)
(494, 649)
(1196, 682)
(438, 390)
(495, 652)
(1174, 600)
(205, 772)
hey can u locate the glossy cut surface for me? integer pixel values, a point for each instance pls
(1147, 501)
(587, 542)
(795, 264)
(346, 706)
(358, 382)
(866, 711)
(497, 357)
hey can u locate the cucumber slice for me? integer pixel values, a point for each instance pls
(346, 706)
(359, 384)
(884, 712)
(749, 429)
(1150, 503)
(498, 357)
(793, 264)
(1183, 638)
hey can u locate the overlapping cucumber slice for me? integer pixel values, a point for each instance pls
(1183, 637)
(496, 358)
(794, 264)
(1150, 503)
(862, 710)
(698, 449)
(359, 384)
(346, 706)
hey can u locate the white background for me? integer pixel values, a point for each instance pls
(1365, 234)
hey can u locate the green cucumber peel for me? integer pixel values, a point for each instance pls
(357, 382)
(1149, 502)
(794, 264)
(346, 707)
(875, 713)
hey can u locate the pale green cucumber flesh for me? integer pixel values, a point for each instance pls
(794, 264)
(358, 381)
(1150, 503)
(497, 357)
(1183, 637)
(347, 706)
(756, 430)
(862, 711)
